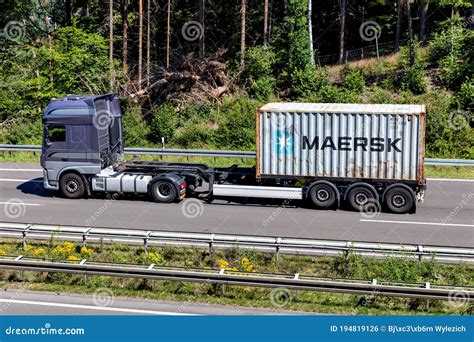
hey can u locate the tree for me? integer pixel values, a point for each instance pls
(399, 24)
(148, 41)
(125, 36)
(140, 43)
(342, 28)
(111, 43)
(310, 31)
(168, 34)
(423, 14)
(410, 34)
(242, 34)
(202, 9)
(265, 22)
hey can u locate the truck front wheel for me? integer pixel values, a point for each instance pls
(163, 191)
(72, 186)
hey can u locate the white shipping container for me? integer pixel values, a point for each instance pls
(332, 140)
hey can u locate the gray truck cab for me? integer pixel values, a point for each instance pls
(82, 136)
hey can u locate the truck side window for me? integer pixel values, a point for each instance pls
(56, 133)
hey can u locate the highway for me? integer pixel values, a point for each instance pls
(446, 218)
(103, 302)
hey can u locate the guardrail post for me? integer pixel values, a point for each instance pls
(24, 233)
(277, 251)
(145, 242)
(419, 252)
(83, 261)
(84, 237)
(211, 242)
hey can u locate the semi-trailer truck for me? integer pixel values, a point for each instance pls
(327, 154)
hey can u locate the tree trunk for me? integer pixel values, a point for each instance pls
(410, 35)
(423, 14)
(471, 17)
(265, 23)
(269, 34)
(202, 9)
(168, 35)
(67, 12)
(111, 43)
(148, 42)
(140, 43)
(342, 28)
(125, 36)
(310, 31)
(242, 35)
(399, 25)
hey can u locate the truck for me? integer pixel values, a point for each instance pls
(365, 156)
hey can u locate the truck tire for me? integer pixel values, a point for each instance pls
(322, 196)
(163, 191)
(72, 186)
(360, 197)
(399, 200)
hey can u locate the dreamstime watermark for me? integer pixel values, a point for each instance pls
(281, 297)
(192, 30)
(47, 329)
(192, 208)
(458, 298)
(466, 198)
(371, 209)
(103, 120)
(103, 297)
(268, 220)
(459, 119)
(101, 210)
(14, 208)
(14, 31)
(370, 30)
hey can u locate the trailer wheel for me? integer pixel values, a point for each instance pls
(72, 186)
(322, 196)
(399, 200)
(360, 197)
(163, 191)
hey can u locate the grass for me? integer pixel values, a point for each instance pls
(351, 266)
(431, 171)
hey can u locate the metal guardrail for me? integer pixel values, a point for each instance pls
(218, 153)
(275, 245)
(223, 276)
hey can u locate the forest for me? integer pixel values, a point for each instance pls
(194, 71)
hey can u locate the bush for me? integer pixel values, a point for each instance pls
(163, 123)
(263, 88)
(194, 136)
(412, 79)
(305, 82)
(135, 130)
(464, 98)
(452, 71)
(238, 127)
(258, 72)
(353, 79)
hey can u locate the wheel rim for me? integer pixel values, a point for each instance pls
(399, 200)
(323, 195)
(361, 198)
(72, 186)
(163, 190)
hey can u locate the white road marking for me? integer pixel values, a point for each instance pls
(420, 223)
(451, 179)
(38, 170)
(22, 203)
(91, 307)
(20, 180)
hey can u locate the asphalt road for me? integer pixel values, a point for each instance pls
(103, 302)
(446, 218)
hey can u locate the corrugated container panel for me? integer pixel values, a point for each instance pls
(341, 141)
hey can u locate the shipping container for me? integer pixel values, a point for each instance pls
(330, 140)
